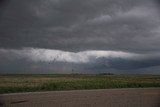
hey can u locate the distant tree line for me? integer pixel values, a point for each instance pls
(106, 73)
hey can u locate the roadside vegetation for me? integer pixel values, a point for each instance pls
(33, 83)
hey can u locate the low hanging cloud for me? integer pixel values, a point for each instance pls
(48, 55)
(57, 61)
(56, 36)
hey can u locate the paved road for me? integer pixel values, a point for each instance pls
(145, 97)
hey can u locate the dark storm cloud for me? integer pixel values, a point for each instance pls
(77, 25)
(130, 29)
(123, 64)
(12, 62)
(53, 61)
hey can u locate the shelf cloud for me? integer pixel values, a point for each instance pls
(48, 55)
(92, 61)
(92, 35)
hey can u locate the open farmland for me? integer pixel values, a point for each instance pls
(33, 83)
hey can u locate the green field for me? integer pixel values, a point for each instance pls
(32, 83)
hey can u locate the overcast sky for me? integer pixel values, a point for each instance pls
(80, 36)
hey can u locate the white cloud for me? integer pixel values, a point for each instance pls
(48, 55)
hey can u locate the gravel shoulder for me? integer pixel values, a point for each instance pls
(127, 97)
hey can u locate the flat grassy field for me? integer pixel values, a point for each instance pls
(33, 83)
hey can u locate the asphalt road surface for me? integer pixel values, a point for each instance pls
(142, 97)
